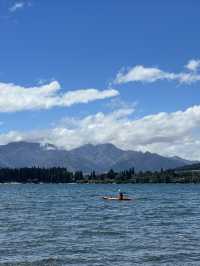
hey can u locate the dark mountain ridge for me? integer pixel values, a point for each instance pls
(100, 158)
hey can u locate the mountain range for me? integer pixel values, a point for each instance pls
(100, 158)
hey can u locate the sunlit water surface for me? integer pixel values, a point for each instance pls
(71, 224)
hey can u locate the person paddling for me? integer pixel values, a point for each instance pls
(121, 195)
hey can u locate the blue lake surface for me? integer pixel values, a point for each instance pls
(69, 224)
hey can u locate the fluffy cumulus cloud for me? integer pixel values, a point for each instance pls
(169, 134)
(17, 98)
(193, 65)
(140, 73)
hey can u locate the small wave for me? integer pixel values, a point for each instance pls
(41, 262)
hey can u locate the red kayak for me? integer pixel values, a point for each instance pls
(116, 198)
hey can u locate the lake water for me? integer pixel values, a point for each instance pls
(71, 225)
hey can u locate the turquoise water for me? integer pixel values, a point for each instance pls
(70, 224)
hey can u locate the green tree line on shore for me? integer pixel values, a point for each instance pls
(62, 175)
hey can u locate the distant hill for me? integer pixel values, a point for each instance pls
(89, 157)
(190, 167)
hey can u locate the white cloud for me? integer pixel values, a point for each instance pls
(17, 98)
(193, 65)
(16, 6)
(118, 103)
(140, 73)
(176, 133)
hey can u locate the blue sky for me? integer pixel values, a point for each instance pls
(76, 50)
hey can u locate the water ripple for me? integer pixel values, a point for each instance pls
(72, 225)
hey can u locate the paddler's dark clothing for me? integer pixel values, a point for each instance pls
(121, 196)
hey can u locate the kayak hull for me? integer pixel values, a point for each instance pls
(114, 198)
